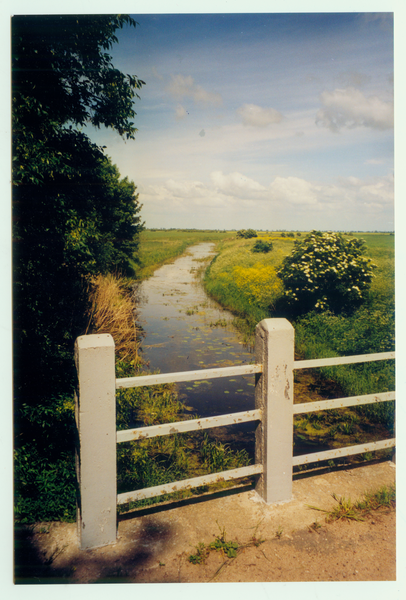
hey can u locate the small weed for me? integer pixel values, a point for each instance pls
(347, 428)
(334, 430)
(202, 552)
(44, 529)
(279, 532)
(344, 510)
(228, 548)
(315, 526)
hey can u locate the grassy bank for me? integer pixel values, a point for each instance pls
(246, 283)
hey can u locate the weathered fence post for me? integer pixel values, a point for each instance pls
(274, 348)
(96, 453)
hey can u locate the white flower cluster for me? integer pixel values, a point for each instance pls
(326, 268)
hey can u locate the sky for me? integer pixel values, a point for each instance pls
(262, 120)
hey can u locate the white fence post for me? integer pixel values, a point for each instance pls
(274, 348)
(96, 453)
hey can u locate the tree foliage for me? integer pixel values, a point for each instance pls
(73, 218)
(73, 215)
(63, 72)
(326, 271)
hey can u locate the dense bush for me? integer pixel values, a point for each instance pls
(326, 272)
(246, 233)
(45, 480)
(262, 246)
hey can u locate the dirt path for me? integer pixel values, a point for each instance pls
(155, 545)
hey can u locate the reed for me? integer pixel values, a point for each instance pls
(112, 311)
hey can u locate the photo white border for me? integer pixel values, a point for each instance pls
(304, 591)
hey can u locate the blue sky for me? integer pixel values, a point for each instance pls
(275, 121)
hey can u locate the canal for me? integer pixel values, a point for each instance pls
(185, 330)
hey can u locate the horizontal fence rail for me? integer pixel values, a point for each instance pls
(142, 433)
(178, 486)
(309, 407)
(341, 452)
(341, 360)
(183, 376)
(274, 411)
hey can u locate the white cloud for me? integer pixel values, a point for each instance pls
(185, 189)
(349, 203)
(351, 108)
(180, 112)
(185, 87)
(378, 191)
(257, 116)
(294, 190)
(236, 184)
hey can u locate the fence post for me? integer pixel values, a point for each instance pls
(95, 412)
(274, 348)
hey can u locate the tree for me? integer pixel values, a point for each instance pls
(326, 272)
(61, 71)
(73, 215)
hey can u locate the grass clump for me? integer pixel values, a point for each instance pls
(384, 498)
(370, 329)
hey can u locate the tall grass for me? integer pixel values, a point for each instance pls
(112, 311)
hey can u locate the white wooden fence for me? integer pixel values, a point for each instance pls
(274, 411)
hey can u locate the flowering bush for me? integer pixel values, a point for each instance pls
(326, 272)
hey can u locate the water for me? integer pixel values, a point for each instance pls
(185, 330)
